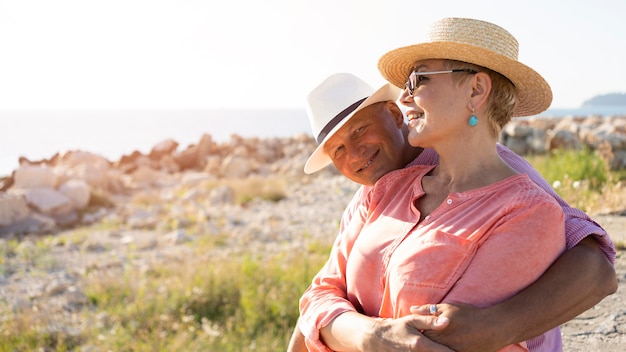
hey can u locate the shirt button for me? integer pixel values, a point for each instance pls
(449, 201)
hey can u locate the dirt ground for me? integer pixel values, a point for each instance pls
(603, 328)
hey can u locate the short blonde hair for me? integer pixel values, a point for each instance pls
(502, 98)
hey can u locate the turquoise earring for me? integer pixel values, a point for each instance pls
(473, 120)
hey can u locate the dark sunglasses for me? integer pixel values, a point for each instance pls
(415, 77)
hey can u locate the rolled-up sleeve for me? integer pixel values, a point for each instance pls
(326, 297)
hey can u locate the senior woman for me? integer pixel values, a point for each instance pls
(470, 229)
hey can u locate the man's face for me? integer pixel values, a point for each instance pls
(370, 144)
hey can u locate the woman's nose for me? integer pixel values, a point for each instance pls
(405, 98)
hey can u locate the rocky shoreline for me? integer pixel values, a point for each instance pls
(60, 192)
(157, 204)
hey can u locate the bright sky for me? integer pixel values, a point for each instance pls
(271, 53)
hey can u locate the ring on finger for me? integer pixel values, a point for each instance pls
(432, 309)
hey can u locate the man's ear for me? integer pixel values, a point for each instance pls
(397, 114)
(480, 89)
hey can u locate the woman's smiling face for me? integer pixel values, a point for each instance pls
(438, 106)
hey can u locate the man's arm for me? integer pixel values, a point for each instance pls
(579, 279)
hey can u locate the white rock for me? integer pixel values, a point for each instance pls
(35, 176)
(13, 208)
(78, 191)
(85, 166)
(48, 201)
(236, 167)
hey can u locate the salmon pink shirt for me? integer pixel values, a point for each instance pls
(478, 247)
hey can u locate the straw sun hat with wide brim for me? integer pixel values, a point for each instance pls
(477, 42)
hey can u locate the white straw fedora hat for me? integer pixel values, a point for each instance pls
(477, 42)
(332, 103)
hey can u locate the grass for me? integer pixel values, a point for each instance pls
(15, 255)
(272, 189)
(583, 179)
(247, 303)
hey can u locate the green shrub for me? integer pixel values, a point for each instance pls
(574, 165)
(583, 179)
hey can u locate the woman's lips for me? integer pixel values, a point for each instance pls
(413, 115)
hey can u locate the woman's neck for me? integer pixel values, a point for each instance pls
(466, 167)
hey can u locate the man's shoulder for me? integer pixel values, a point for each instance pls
(408, 174)
(426, 157)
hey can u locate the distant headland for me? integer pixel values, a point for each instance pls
(612, 99)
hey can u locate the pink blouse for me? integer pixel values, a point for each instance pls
(478, 247)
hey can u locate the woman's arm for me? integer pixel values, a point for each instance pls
(296, 343)
(326, 297)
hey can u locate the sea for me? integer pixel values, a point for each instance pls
(111, 133)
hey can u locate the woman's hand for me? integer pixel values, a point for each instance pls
(352, 331)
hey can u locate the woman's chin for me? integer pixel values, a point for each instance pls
(415, 136)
